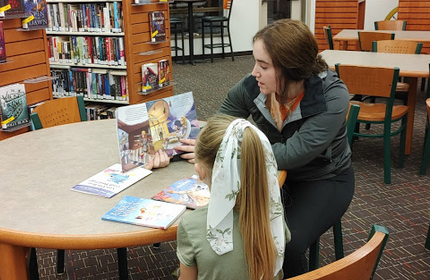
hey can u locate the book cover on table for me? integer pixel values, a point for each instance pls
(145, 128)
(190, 192)
(144, 212)
(14, 110)
(111, 181)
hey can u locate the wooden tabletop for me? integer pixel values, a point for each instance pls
(352, 35)
(38, 208)
(411, 65)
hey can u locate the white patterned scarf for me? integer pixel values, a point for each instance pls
(226, 185)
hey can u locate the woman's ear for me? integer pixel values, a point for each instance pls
(201, 171)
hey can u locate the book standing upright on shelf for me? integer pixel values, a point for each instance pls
(190, 192)
(163, 73)
(157, 24)
(145, 128)
(144, 212)
(38, 14)
(14, 110)
(149, 76)
(2, 44)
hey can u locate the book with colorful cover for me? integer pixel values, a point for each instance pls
(149, 76)
(14, 110)
(145, 128)
(111, 181)
(157, 23)
(190, 192)
(2, 44)
(163, 73)
(37, 14)
(12, 8)
(144, 212)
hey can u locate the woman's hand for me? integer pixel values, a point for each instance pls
(161, 159)
(188, 148)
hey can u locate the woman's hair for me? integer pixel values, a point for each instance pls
(252, 201)
(293, 50)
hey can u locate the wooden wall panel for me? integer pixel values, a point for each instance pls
(339, 14)
(26, 59)
(417, 14)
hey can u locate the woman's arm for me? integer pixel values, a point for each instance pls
(187, 273)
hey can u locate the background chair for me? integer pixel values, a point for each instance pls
(328, 37)
(177, 26)
(221, 22)
(59, 111)
(366, 38)
(398, 46)
(378, 82)
(390, 25)
(359, 265)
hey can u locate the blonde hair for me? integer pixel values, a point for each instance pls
(252, 201)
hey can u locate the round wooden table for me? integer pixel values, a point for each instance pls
(38, 208)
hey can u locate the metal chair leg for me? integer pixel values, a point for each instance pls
(60, 261)
(32, 265)
(122, 263)
(338, 240)
(212, 42)
(229, 41)
(314, 255)
(222, 39)
(427, 245)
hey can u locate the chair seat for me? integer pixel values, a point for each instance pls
(214, 18)
(402, 87)
(376, 111)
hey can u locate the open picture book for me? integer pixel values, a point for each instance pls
(190, 192)
(145, 128)
(144, 212)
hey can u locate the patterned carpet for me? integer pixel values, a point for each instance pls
(403, 207)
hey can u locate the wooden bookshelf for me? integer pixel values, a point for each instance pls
(137, 46)
(26, 59)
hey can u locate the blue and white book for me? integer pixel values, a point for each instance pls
(111, 181)
(144, 212)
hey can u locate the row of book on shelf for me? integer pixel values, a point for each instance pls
(85, 17)
(87, 50)
(92, 83)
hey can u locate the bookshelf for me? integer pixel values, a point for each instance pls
(27, 60)
(138, 49)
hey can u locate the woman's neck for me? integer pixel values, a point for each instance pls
(295, 89)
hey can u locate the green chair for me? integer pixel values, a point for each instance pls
(314, 249)
(427, 244)
(378, 82)
(426, 149)
(59, 111)
(328, 37)
(366, 38)
(359, 265)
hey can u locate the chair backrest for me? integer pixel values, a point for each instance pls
(328, 36)
(359, 265)
(351, 120)
(59, 111)
(397, 46)
(372, 81)
(282, 176)
(227, 7)
(390, 25)
(366, 38)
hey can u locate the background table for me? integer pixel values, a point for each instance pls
(38, 209)
(413, 66)
(351, 35)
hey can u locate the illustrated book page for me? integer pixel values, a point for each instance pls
(111, 181)
(190, 192)
(144, 212)
(145, 128)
